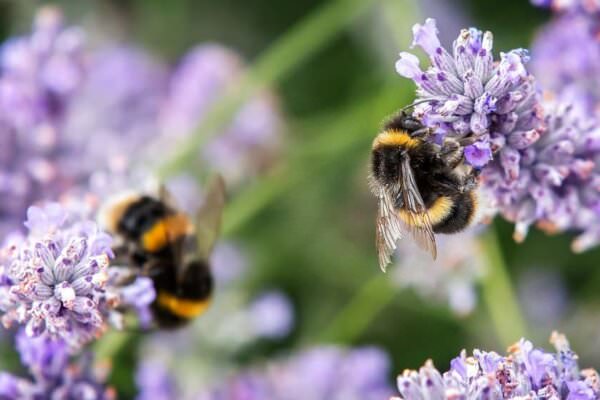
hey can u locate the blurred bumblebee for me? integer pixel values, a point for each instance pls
(161, 242)
(422, 188)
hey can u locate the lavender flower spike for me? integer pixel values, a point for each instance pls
(469, 94)
(559, 184)
(57, 281)
(53, 377)
(570, 6)
(525, 373)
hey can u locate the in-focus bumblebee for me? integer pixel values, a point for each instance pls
(162, 243)
(422, 187)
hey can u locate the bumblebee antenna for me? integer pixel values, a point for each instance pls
(416, 103)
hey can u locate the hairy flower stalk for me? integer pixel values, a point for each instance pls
(58, 283)
(525, 373)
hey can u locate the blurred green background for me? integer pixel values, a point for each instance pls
(309, 224)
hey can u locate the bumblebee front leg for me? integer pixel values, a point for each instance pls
(451, 152)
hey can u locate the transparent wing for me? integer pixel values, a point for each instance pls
(388, 228)
(208, 218)
(415, 218)
(403, 198)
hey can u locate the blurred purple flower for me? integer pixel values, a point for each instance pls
(39, 75)
(114, 115)
(154, 382)
(544, 296)
(204, 75)
(451, 278)
(272, 315)
(325, 373)
(57, 281)
(570, 6)
(73, 119)
(467, 94)
(526, 372)
(53, 377)
(572, 38)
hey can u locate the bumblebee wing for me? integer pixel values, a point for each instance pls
(166, 196)
(416, 220)
(208, 218)
(388, 228)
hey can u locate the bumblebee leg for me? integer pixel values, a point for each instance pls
(422, 133)
(412, 125)
(471, 181)
(451, 152)
(467, 141)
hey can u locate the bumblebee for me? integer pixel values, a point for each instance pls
(159, 241)
(422, 188)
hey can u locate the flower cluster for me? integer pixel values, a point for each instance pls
(535, 169)
(574, 39)
(71, 117)
(320, 373)
(39, 76)
(250, 142)
(58, 283)
(525, 373)
(116, 107)
(569, 6)
(53, 377)
(450, 278)
(470, 97)
(558, 184)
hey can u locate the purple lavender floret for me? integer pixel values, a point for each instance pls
(117, 108)
(570, 6)
(250, 142)
(272, 315)
(525, 373)
(154, 382)
(573, 39)
(52, 375)
(39, 75)
(468, 94)
(57, 281)
(323, 373)
(558, 184)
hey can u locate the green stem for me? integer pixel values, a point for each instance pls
(353, 129)
(361, 310)
(499, 295)
(111, 344)
(286, 54)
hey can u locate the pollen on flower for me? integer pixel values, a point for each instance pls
(56, 282)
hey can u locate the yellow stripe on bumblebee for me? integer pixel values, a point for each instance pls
(395, 138)
(182, 308)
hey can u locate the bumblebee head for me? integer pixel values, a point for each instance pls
(112, 211)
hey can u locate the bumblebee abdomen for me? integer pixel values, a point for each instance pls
(181, 299)
(459, 215)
